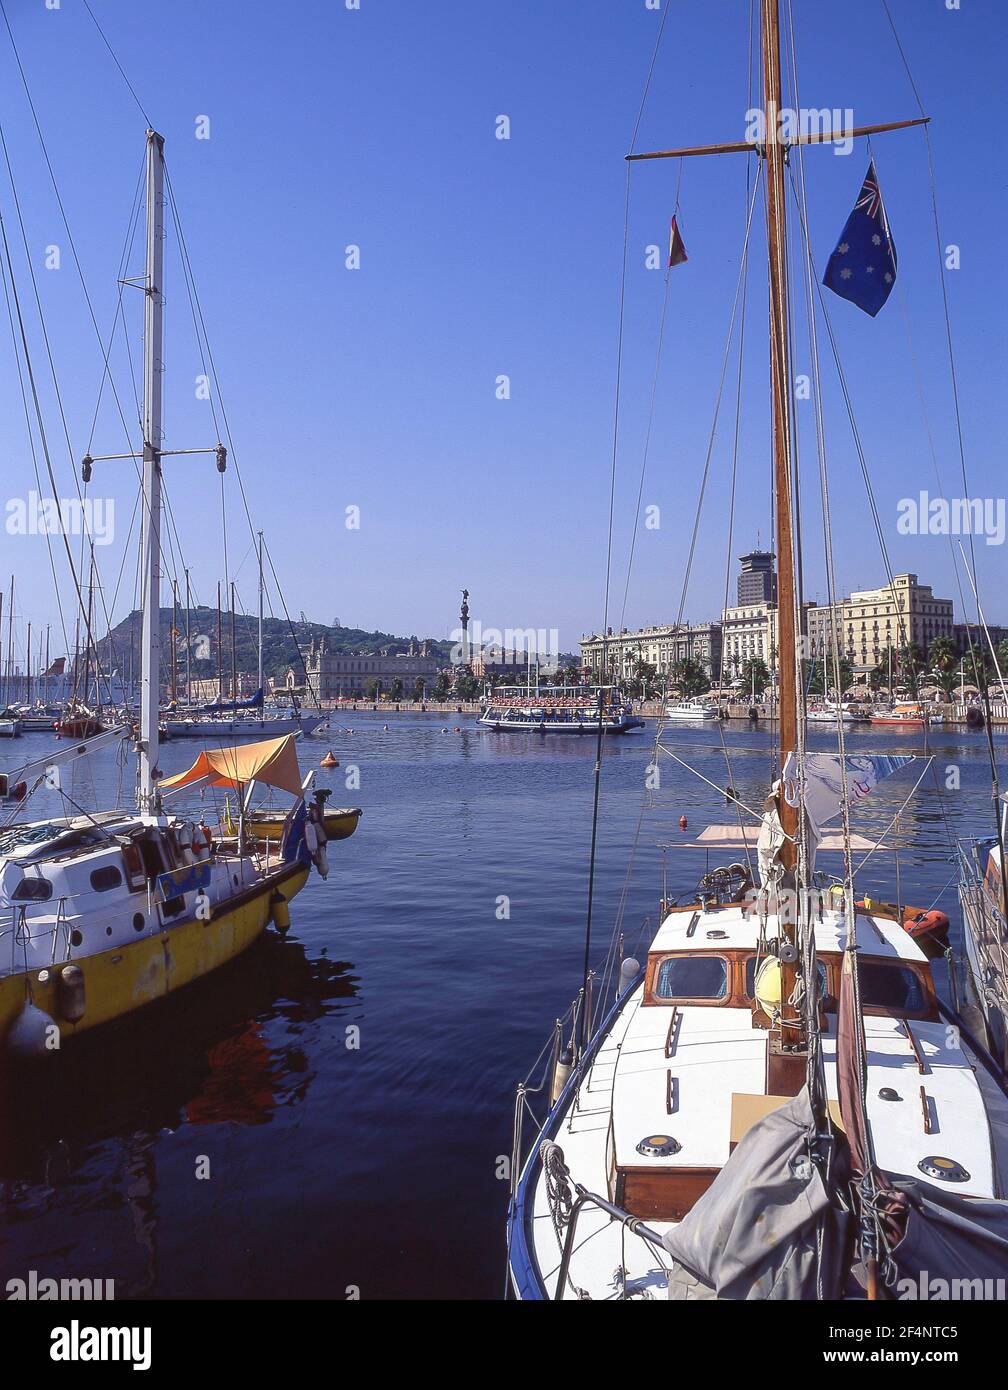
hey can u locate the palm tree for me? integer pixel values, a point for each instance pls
(911, 664)
(888, 660)
(1001, 651)
(755, 675)
(641, 676)
(821, 680)
(466, 685)
(944, 659)
(690, 677)
(979, 666)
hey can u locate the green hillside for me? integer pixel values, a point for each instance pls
(120, 650)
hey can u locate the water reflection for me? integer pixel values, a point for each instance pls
(208, 1055)
(312, 1190)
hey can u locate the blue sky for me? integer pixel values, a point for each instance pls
(481, 257)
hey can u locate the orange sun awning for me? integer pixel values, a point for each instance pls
(273, 762)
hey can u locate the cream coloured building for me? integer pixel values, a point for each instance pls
(751, 632)
(871, 620)
(661, 647)
(747, 633)
(867, 622)
(332, 674)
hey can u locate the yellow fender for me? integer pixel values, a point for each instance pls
(280, 911)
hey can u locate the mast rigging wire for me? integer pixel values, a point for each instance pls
(609, 538)
(740, 289)
(39, 422)
(122, 74)
(86, 533)
(201, 334)
(816, 1066)
(971, 567)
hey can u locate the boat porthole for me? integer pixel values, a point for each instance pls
(658, 1145)
(945, 1169)
(139, 922)
(76, 938)
(108, 931)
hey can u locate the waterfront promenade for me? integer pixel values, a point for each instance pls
(647, 709)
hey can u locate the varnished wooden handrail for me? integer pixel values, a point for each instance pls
(926, 1109)
(669, 1043)
(922, 1065)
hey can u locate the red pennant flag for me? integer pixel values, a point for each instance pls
(677, 251)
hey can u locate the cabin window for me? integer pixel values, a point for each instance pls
(135, 872)
(32, 890)
(692, 977)
(892, 987)
(105, 878)
(750, 977)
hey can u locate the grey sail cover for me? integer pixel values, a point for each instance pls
(766, 1228)
(960, 1241)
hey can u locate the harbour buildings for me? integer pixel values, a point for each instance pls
(872, 620)
(866, 623)
(757, 582)
(662, 647)
(335, 673)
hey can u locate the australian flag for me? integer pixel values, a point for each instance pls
(863, 266)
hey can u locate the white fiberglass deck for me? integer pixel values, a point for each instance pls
(717, 1053)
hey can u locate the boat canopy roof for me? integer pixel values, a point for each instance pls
(732, 927)
(272, 762)
(737, 837)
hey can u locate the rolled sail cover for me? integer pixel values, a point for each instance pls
(766, 1228)
(953, 1247)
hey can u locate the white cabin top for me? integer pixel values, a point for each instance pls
(736, 926)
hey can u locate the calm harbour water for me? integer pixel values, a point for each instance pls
(374, 1167)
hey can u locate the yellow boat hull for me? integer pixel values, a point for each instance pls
(339, 825)
(118, 981)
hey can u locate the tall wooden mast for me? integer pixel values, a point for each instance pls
(150, 650)
(786, 1052)
(780, 379)
(785, 1066)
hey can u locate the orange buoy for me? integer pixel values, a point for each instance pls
(330, 760)
(683, 822)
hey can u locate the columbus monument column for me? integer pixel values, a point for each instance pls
(465, 627)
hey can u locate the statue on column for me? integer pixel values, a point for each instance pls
(465, 627)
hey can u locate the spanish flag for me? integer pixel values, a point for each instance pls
(677, 251)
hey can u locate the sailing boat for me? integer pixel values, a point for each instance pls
(772, 1105)
(102, 913)
(985, 928)
(982, 882)
(236, 718)
(10, 722)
